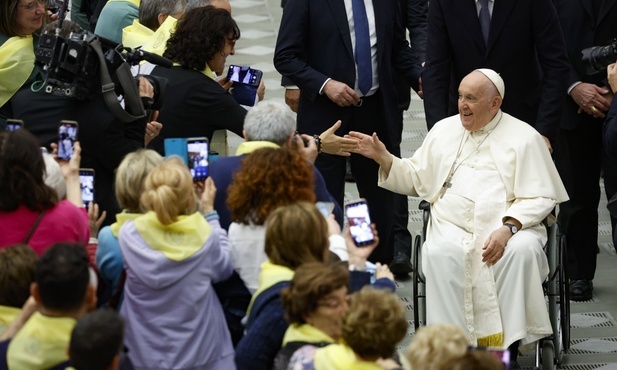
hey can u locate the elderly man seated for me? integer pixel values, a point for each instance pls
(490, 181)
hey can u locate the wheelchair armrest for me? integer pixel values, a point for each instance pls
(424, 205)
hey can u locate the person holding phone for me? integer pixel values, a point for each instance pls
(31, 211)
(195, 103)
(173, 254)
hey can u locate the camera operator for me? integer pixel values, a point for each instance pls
(579, 155)
(105, 139)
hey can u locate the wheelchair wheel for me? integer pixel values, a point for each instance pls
(419, 296)
(564, 296)
(547, 356)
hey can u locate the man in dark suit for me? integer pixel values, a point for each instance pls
(523, 44)
(580, 156)
(320, 45)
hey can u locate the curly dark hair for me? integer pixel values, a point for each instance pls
(269, 178)
(201, 34)
(22, 171)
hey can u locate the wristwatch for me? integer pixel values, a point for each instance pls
(512, 227)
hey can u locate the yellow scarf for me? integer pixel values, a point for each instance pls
(340, 357)
(270, 275)
(7, 316)
(121, 218)
(177, 241)
(157, 42)
(16, 65)
(251, 146)
(41, 343)
(305, 333)
(136, 34)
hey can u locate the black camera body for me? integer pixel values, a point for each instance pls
(597, 58)
(70, 64)
(73, 58)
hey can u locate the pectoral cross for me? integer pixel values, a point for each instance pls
(446, 185)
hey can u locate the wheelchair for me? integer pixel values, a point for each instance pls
(549, 350)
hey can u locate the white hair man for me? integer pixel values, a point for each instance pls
(490, 181)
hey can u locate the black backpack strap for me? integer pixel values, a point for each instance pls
(34, 227)
(114, 301)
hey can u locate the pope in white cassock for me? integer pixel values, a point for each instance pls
(490, 181)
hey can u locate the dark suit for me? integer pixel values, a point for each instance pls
(525, 46)
(313, 45)
(195, 105)
(580, 156)
(222, 171)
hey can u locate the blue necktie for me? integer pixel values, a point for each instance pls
(363, 46)
(485, 20)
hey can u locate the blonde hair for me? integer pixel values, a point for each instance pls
(169, 192)
(434, 345)
(131, 175)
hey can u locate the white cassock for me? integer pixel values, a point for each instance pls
(503, 170)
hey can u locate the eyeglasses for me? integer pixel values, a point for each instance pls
(33, 5)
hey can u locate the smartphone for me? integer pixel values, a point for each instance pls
(325, 208)
(178, 147)
(244, 75)
(14, 124)
(246, 81)
(67, 136)
(86, 180)
(198, 150)
(503, 355)
(359, 221)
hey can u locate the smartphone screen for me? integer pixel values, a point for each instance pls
(244, 75)
(67, 135)
(198, 150)
(14, 124)
(359, 222)
(86, 180)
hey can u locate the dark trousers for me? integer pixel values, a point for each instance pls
(366, 119)
(580, 159)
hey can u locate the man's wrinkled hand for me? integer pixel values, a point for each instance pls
(590, 99)
(495, 245)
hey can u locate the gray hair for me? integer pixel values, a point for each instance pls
(53, 175)
(149, 11)
(270, 120)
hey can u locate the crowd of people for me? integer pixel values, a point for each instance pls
(244, 270)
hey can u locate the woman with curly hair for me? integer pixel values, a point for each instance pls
(269, 178)
(195, 103)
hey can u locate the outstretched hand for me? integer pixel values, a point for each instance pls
(371, 147)
(333, 144)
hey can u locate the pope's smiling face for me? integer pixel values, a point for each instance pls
(478, 101)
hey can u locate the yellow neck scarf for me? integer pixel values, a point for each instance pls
(177, 241)
(270, 275)
(16, 65)
(251, 146)
(41, 343)
(136, 34)
(341, 357)
(121, 218)
(157, 42)
(305, 333)
(7, 316)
